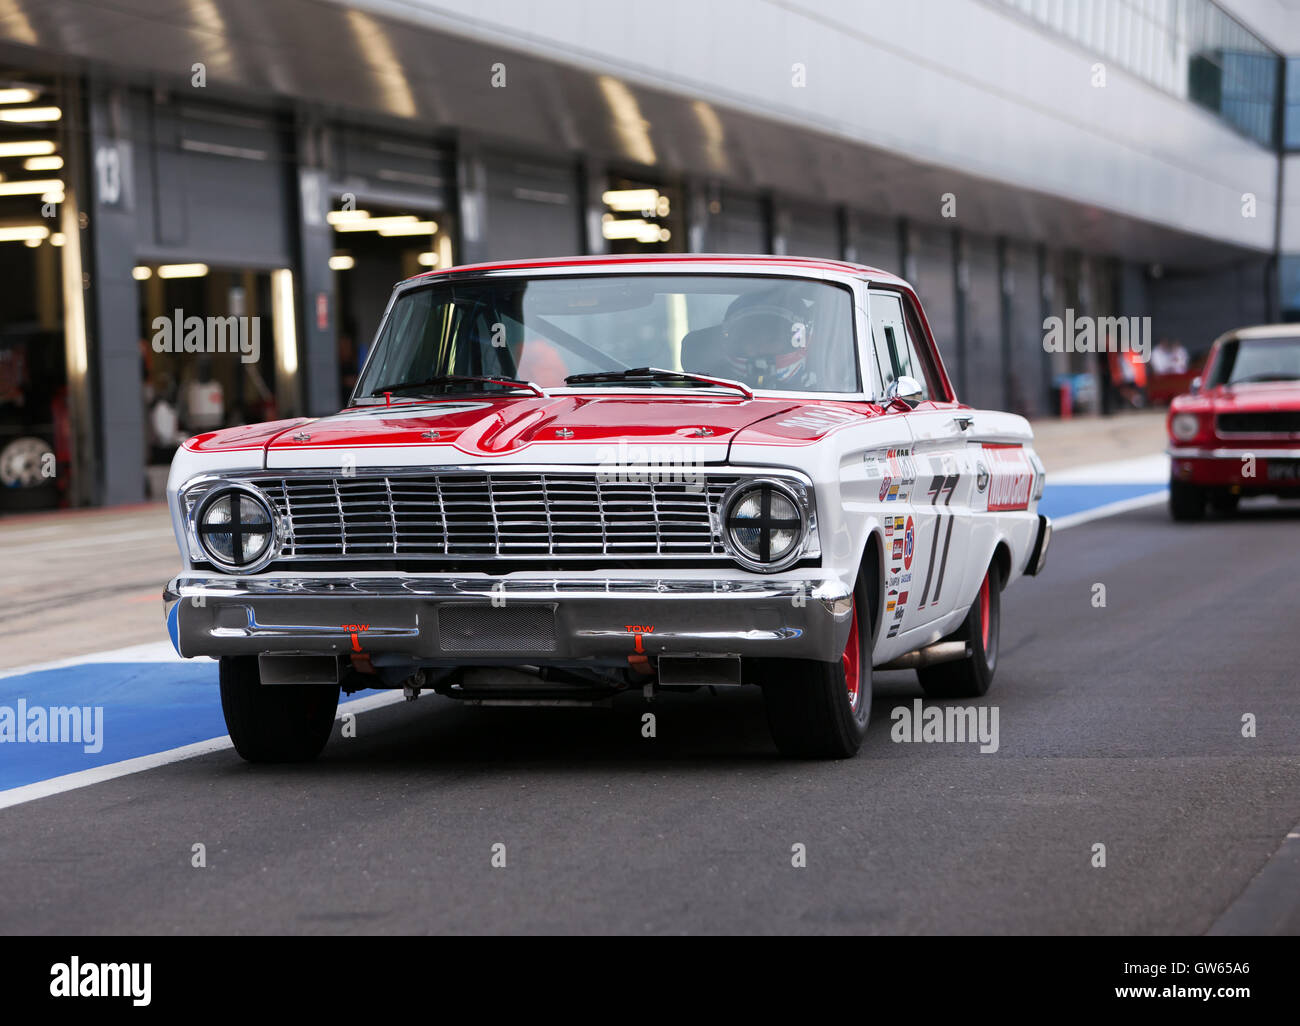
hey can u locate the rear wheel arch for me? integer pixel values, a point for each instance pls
(971, 676)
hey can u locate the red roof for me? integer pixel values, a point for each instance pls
(774, 262)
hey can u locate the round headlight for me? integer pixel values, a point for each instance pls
(1185, 426)
(764, 525)
(235, 527)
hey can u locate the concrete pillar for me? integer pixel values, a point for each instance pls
(961, 287)
(113, 332)
(318, 361)
(471, 202)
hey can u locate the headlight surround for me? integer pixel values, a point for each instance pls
(764, 524)
(1185, 426)
(235, 528)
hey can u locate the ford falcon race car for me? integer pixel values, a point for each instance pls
(1236, 434)
(561, 480)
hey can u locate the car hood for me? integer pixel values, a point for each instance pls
(559, 429)
(1258, 397)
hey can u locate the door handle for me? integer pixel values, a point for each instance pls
(963, 421)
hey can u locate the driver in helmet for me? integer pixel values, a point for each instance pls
(765, 340)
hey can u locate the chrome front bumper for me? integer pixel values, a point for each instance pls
(511, 620)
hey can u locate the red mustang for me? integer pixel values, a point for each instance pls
(1237, 432)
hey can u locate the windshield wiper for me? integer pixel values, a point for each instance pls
(456, 379)
(639, 374)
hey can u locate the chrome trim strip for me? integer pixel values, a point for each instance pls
(1290, 436)
(707, 469)
(774, 634)
(1233, 454)
(194, 585)
(255, 630)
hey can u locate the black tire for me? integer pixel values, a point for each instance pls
(810, 708)
(1224, 502)
(275, 722)
(1186, 502)
(972, 676)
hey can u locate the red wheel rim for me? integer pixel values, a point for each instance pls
(984, 612)
(852, 670)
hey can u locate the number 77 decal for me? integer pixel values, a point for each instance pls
(939, 486)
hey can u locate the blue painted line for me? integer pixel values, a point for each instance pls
(1062, 500)
(147, 708)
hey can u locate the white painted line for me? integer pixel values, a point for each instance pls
(87, 778)
(1109, 510)
(1150, 469)
(150, 652)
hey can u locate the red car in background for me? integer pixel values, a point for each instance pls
(1237, 432)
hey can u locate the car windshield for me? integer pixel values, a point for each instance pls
(779, 334)
(1256, 359)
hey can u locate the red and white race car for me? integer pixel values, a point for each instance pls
(1237, 432)
(562, 480)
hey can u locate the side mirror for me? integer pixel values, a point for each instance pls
(1196, 384)
(907, 389)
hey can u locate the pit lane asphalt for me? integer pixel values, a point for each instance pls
(1118, 725)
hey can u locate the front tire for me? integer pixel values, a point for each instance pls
(275, 722)
(819, 710)
(971, 677)
(1186, 501)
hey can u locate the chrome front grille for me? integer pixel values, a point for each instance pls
(474, 515)
(1265, 422)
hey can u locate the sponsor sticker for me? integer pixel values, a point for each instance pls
(1011, 478)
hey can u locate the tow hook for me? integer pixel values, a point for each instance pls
(413, 685)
